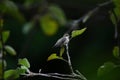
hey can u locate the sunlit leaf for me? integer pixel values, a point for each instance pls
(116, 52)
(11, 75)
(62, 51)
(106, 68)
(53, 56)
(5, 35)
(49, 25)
(77, 32)
(24, 62)
(58, 14)
(27, 27)
(10, 50)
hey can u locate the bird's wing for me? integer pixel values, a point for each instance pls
(60, 42)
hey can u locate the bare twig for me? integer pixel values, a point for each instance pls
(69, 60)
(57, 75)
(83, 77)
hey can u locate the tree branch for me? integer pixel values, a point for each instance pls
(57, 75)
(69, 60)
(82, 20)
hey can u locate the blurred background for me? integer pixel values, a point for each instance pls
(36, 25)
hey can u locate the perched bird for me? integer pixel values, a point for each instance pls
(62, 41)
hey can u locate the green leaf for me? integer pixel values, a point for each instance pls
(58, 14)
(117, 8)
(116, 52)
(53, 56)
(114, 21)
(5, 35)
(27, 27)
(11, 74)
(10, 50)
(24, 68)
(24, 62)
(117, 12)
(21, 70)
(62, 50)
(49, 25)
(117, 3)
(77, 32)
(106, 68)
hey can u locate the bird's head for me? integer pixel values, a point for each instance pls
(66, 35)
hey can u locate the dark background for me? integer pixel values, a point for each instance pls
(88, 51)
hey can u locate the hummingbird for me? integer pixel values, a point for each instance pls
(63, 40)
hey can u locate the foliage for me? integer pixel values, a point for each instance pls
(58, 14)
(5, 35)
(116, 52)
(106, 68)
(10, 8)
(53, 56)
(10, 50)
(47, 18)
(11, 74)
(77, 32)
(24, 62)
(62, 51)
(15, 73)
(51, 27)
(53, 18)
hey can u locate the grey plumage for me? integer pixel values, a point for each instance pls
(62, 41)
